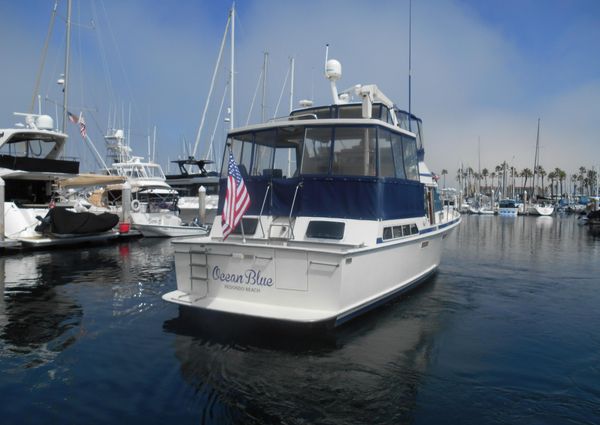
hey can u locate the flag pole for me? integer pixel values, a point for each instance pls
(242, 228)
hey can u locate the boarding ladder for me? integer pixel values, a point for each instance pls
(198, 273)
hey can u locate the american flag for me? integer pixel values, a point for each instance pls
(237, 199)
(73, 118)
(78, 120)
(82, 128)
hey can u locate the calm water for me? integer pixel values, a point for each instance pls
(507, 332)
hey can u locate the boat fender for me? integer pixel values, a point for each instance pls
(135, 205)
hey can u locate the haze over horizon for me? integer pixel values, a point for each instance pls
(480, 70)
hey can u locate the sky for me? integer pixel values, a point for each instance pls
(483, 72)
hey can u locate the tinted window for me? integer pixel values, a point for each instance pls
(354, 151)
(325, 229)
(317, 151)
(351, 111)
(398, 155)
(263, 152)
(386, 157)
(241, 145)
(387, 233)
(249, 224)
(411, 166)
(288, 151)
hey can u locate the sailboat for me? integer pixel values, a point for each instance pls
(536, 207)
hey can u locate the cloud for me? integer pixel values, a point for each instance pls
(470, 79)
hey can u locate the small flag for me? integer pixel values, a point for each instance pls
(237, 199)
(78, 120)
(82, 127)
(72, 118)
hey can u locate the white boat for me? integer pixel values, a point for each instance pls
(192, 176)
(31, 167)
(508, 207)
(164, 226)
(154, 202)
(540, 209)
(354, 221)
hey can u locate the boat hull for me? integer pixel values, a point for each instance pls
(540, 210)
(297, 283)
(163, 231)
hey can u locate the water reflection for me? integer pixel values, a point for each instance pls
(44, 294)
(368, 371)
(35, 314)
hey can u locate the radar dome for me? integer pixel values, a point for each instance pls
(333, 70)
(44, 122)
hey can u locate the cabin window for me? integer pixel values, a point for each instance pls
(287, 151)
(397, 231)
(398, 156)
(411, 166)
(350, 111)
(354, 151)
(325, 229)
(249, 225)
(414, 229)
(320, 113)
(263, 153)
(386, 157)
(38, 148)
(241, 145)
(387, 233)
(317, 150)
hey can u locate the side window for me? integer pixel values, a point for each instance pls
(411, 165)
(354, 151)
(241, 145)
(263, 152)
(317, 150)
(386, 158)
(398, 155)
(288, 151)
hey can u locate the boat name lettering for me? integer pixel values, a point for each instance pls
(249, 277)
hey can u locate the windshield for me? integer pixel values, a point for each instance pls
(339, 150)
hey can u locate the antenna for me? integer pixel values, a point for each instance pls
(409, 63)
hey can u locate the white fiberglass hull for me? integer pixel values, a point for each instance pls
(163, 231)
(540, 210)
(304, 284)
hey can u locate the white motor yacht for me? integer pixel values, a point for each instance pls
(344, 215)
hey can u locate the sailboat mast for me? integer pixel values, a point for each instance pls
(232, 71)
(292, 64)
(67, 54)
(264, 87)
(537, 157)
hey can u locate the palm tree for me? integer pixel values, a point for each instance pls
(485, 173)
(542, 173)
(561, 177)
(582, 171)
(526, 173)
(591, 176)
(574, 181)
(552, 176)
(444, 172)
